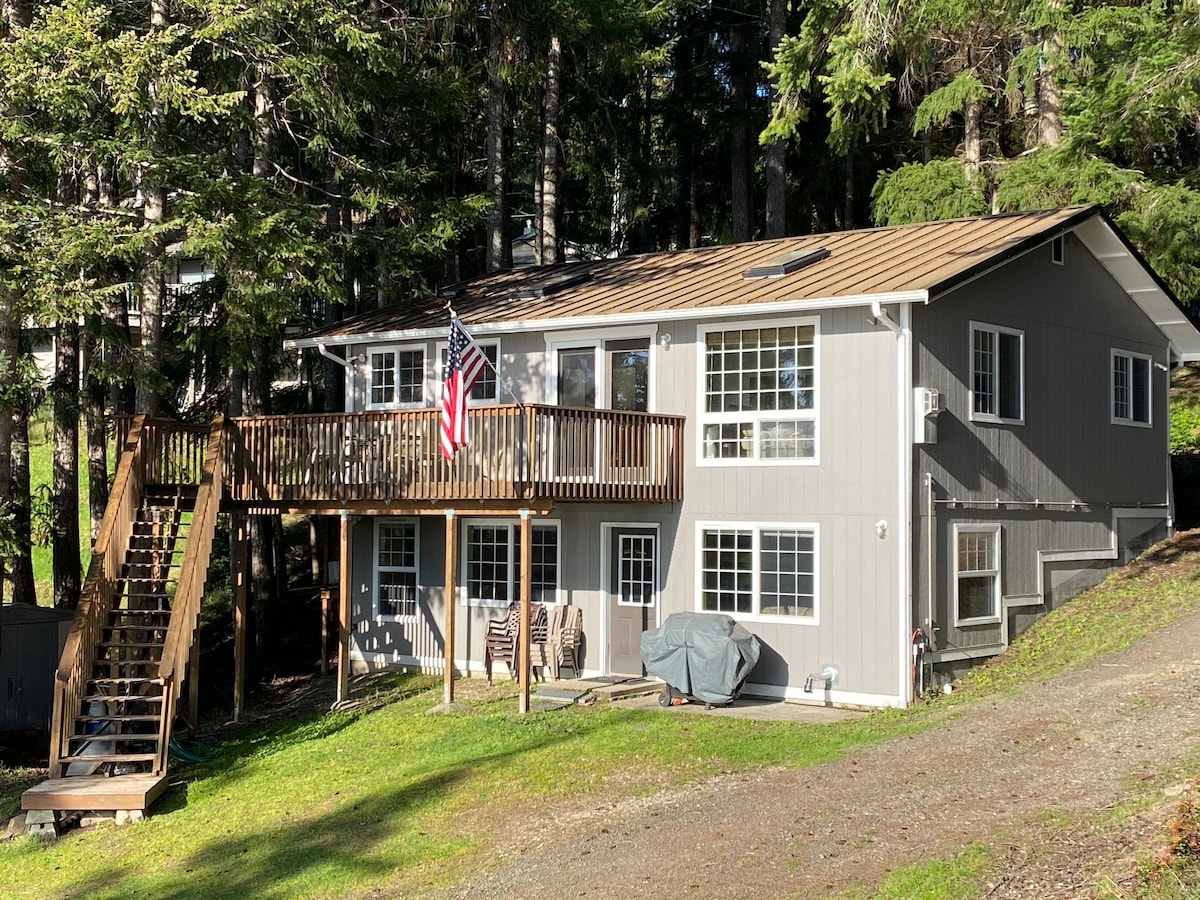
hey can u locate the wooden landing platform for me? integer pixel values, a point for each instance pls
(95, 792)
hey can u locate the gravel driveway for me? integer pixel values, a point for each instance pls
(1023, 775)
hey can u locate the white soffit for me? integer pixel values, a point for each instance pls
(1141, 285)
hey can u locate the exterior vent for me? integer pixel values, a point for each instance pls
(453, 291)
(786, 263)
(551, 286)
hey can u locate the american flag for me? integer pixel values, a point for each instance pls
(464, 365)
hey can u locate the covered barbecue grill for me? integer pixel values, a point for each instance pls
(705, 655)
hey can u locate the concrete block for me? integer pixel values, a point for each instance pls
(41, 816)
(129, 816)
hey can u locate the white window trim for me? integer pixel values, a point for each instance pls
(578, 340)
(440, 350)
(978, 528)
(997, 330)
(514, 530)
(1112, 389)
(1058, 250)
(369, 350)
(704, 418)
(757, 528)
(376, 568)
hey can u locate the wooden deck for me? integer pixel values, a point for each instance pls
(95, 792)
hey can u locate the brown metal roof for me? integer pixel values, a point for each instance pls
(868, 264)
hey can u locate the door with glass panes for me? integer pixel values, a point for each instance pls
(632, 560)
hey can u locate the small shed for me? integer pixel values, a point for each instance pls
(31, 642)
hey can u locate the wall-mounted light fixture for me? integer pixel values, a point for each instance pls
(664, 340)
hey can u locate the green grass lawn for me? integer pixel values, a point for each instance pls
(392, 798)
(341, 803)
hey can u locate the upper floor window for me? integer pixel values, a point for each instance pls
(997, 374)
(396, 568)
(759, 570)
(486, 388)
(396, 377)
(977, 574)
(1130, 388)
(760, 394)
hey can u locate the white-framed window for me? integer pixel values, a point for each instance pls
(759, 570)
(487, 387)
(976, 574)
(396, 556)
(758, 394)
(1057, 255)
(636, 569)
(997, 374)
(396, 377)
(1130, 388)
(493, 562)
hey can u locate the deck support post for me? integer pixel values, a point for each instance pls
(240, 589)
(526, 592)
(449, 594)
(344, 576)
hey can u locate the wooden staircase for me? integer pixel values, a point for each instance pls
(121, 726)
(118, 685)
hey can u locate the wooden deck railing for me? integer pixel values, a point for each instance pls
(529, 453)
(99, 592)
(185, 608)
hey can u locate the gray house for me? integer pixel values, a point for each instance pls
(923, 436)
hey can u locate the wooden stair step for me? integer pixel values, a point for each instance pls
(125, 717)
(123, 698)
(95, 792)
(110, 757)
(118, 738)
(129, 681)
(137, 644)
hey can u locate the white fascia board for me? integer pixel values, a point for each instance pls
(1128, 271)
(805, 305)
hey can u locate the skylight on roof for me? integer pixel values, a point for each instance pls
(785, 263)
(550, 286)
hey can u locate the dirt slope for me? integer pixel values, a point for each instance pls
(1007, 774)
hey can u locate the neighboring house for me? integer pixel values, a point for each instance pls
(931, 432)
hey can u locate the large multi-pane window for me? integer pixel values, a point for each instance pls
(396, 568)
(759, 570)
(1130, 388)
(997, 374)
(493, 560)
(977, 573)
(760, 394)
(396, 377)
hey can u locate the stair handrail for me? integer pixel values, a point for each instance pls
(185, 608)
(99, 591)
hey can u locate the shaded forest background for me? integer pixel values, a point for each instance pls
(327, 158)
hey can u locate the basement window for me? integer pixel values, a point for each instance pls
(977, 574)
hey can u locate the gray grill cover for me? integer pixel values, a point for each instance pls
(706, 655)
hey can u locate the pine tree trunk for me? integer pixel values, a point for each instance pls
(151, 280)
(13, 178)
(1049, 125)
(499, 241)
(97, 442)
(21, 564)
(64, 513)
(550, 248)
(972, 138)
(776, 151)
(740, 196)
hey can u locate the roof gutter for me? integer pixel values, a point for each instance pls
(323, 349)
(796, 305)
